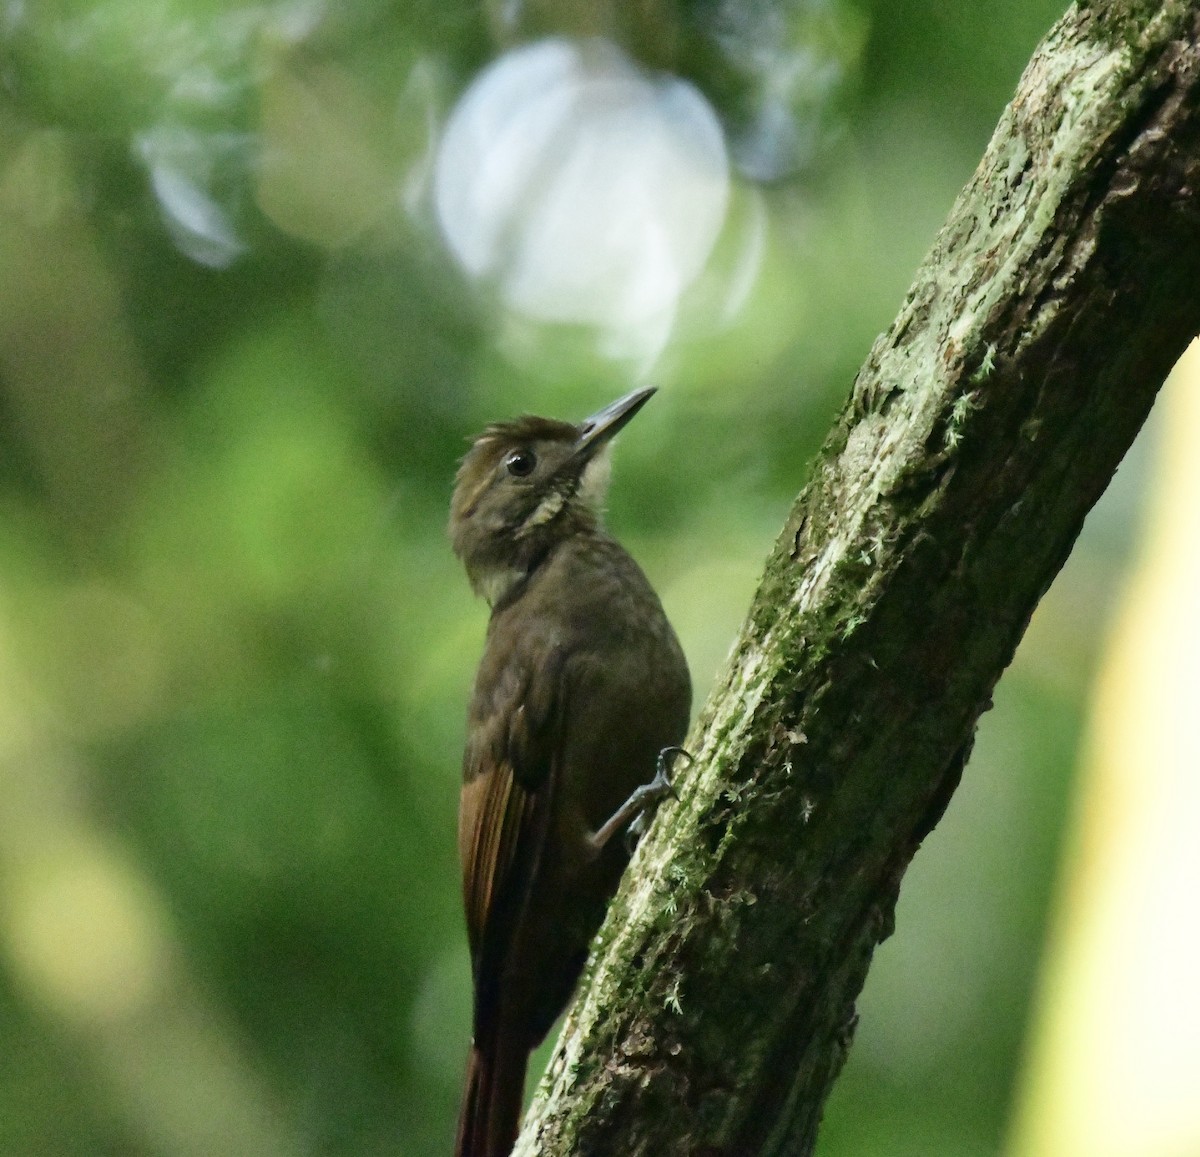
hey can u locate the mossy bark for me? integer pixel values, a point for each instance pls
(719, 1003)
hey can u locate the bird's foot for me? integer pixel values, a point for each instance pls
(656, 791)
(636, 812)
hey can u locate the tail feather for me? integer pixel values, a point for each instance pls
(493, 1098)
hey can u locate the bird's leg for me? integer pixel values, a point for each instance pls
(635, 810)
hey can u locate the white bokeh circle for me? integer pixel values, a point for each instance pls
(585, 190)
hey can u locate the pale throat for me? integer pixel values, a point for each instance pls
(593, 485)
(492, 583)
(494, 580)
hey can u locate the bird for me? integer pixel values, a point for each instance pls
(580, 702)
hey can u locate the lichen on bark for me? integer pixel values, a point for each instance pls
(719, 1003)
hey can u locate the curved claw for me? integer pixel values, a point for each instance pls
(667, 758)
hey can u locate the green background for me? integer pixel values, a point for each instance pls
(235, 648)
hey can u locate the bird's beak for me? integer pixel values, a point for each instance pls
(605, 424)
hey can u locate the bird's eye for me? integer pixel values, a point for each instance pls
(521, 463)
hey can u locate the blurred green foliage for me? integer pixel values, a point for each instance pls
(237, 368)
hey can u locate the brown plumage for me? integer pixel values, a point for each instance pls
(581, 686)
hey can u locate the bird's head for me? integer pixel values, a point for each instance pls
(528, 484)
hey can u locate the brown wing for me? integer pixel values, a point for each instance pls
(496, 819)
(506, 803)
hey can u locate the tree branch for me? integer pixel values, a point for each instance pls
(719, 1005)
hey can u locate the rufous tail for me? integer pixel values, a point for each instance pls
(492, 1101)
